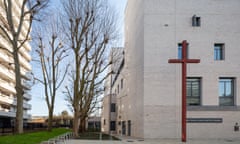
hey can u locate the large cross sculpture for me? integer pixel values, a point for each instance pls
(184, 62)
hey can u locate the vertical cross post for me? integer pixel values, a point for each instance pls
(184, 62)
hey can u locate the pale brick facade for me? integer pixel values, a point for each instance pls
(151, 98)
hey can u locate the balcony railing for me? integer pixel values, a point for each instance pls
(27, 96)
(25, 63)
(7, 87)
(26, 85)
(7, 113)
(7, 99)
(25, 104)
(6, 73)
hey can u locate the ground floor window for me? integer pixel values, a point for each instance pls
(113, 125)
(226, 91)
(193, 91)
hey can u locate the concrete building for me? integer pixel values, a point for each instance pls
(149, 105)
(7, 76)
(109, 113)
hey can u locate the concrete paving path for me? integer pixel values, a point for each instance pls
(154, 141)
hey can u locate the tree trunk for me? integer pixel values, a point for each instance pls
(82, 127)
(19, 94)
(75, 124)
(50, 119)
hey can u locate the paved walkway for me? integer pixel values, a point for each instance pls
(155, 141)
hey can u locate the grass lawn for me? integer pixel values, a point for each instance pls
(32, 138)
(95, 136)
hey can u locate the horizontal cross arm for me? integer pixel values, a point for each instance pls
(175, 61)
(193, 61)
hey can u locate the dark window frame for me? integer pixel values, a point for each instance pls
(225, 81)
(219, 51)
(113, 107)
(180, 50)
(196, 21)
(192, 82)
(121, 83)
(113, 125)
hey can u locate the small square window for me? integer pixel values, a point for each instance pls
(218, 51)
(196, 21)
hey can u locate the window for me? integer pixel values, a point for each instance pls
(218, 51)
(180, 51)
(226, 91)
(193, 91)
(196, 21)
(113, 107)
(118, 88)
(104, 122)
(121, 83)
(113, 125)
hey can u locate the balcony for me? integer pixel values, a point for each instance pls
(25, 104)
(5, 43)
(5, 58)
(6, 99)
(26, 116)
(7, 73)
(7, 87)
(24, 52)
(26, 85)
(7, 113)
(24, 63)
(27, 96)
(25, 74)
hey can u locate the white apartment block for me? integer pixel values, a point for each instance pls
(148, 105)
(7, 76)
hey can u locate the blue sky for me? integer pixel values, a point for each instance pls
(39, 107)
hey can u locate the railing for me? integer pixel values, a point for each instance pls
(27, 96)
(62, 139)
(9, 74)
(7, 86)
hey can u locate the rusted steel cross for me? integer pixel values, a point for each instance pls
(184, 62)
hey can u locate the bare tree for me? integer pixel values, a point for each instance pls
(12, 24)
(51, 55)
(90, 29)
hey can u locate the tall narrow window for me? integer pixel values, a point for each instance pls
(180, 51)
(226, 91)
(113, 125)
(218, 51)
(118, 88)
(113, 107)
(193, 91)
(196, 21)
(121, 83)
